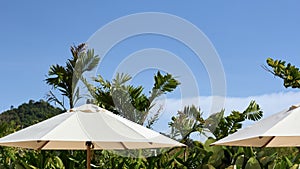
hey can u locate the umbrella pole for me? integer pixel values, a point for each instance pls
(88, 154)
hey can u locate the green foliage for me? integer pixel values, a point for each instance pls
(252, 163)
(285, 157)
(186, 122)
(29, 113)
(233, 122)
(190, 120)
(201, 155)
(288, 72)
(131, 101)
(163, 84)
(65, 78)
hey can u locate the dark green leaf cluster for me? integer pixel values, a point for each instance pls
(163, 84)
(288, 72)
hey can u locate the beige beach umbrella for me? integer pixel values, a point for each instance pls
(84, 128)
(279, 130)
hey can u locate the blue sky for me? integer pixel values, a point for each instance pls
(35, 35)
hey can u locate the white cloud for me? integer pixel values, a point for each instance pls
(269, 103)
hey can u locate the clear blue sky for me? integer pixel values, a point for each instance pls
(37, 34)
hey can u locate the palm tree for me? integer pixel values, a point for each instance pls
(65, 78)
(130, 101)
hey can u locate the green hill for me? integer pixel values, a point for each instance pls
(29, 113)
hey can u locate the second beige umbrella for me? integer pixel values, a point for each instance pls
(279, 130)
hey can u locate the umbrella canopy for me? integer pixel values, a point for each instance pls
(279, 130)
(84, 127)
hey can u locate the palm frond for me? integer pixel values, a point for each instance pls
(121, 79)
(253, 111)
(65, 78)
(163, 84)
(52, 98)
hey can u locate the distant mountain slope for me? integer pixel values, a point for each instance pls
(30, 113)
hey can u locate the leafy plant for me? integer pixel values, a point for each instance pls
(288, 72)
(65, 78)
(131, 101)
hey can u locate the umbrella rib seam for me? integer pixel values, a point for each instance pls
(268, 141)
(111, 114)
(66, 119)
(289, 113)
(125, 147)
(133, 129)
(43, 145)
(83, 129)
